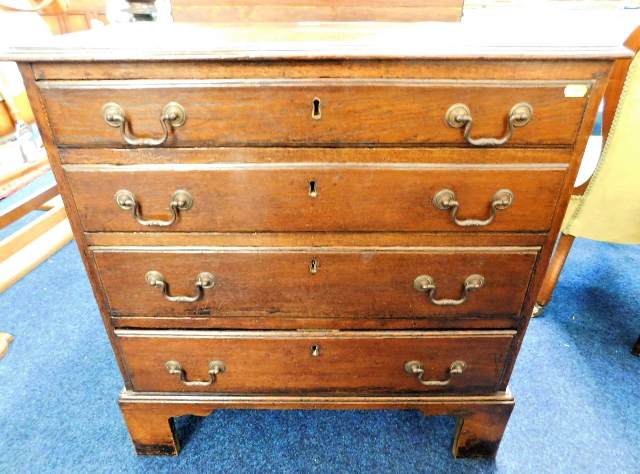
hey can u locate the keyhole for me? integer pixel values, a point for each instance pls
(315, 350)
(314, 266)
(316, 113)
(313, 188)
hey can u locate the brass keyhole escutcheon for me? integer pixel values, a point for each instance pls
(316, 113)
(313, 188)
(314, 266)
(315, 350)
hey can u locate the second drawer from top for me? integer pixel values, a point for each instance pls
(316, 197)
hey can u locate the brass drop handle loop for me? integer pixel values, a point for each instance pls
(204, 281)
(173, 116)
(181, 200)
(215, 367)
(459, 115)
(426, 284)
(445, 199)
(415, 367)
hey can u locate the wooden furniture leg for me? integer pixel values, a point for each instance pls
(636, 348)
(481, 419)
(151, 428)
(553, 272)
(478, 434)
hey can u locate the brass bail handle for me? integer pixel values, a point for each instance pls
(427, 285)
(181, 200)
(173, 116)
(445, 199)
(415, 367)
(204, 280)
(216, 367)
(459, 115)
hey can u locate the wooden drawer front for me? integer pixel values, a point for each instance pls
(237, 112)
(285, 362)
(272, 282)
(315, 198)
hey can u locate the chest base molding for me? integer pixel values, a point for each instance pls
(481, 419)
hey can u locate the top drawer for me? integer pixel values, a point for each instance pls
(310, 112)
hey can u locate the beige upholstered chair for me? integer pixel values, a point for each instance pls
(607, 206)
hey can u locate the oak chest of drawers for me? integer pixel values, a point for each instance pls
(284, 218)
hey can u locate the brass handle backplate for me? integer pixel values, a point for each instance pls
(173, 116)
(445, 199)
(181, 200)
(215, 367)
(204, 280)
(415, 367)
(459, 115)
(426, 284)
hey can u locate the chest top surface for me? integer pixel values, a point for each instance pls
(322, 40)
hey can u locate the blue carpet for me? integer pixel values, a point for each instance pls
(577, 389)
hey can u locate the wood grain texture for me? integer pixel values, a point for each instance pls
(382, 118)
(316, 239)
(282, 362)
(154, 433)
(514, 69)
(433, 322)
(557, 158)
(273, 282)
(42, 120)
(584, 133)
(277, 112)
(347, 197)
(479, 433)
(560, 254)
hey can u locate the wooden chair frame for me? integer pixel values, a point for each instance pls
(36, 241)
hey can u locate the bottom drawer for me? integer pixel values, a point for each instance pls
(315, 361)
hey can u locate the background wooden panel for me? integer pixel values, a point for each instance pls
(273, 282)
(297, 10)
(317, 10)
(281, 362)
(76, 15)
(348, 198)
(280, 112)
